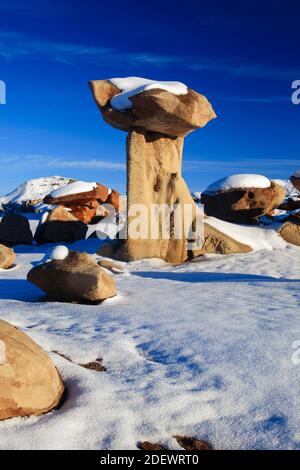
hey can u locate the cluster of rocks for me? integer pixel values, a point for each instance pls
(85, 205)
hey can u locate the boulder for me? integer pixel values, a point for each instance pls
(7, 257)
(242, 205)
(60, 226)
(29, 381)
(15, 230)
(216, 242)
(76, 278)
(86, 212)
(295, 180)
(154, 110)
(290, 232)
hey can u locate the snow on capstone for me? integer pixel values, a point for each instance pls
(59, 252)
(74, 188)
(239, 181)
(131, 86)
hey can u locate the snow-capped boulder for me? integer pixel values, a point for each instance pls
(295, 179)
(7, 257)
(60, 225)
(15, 230)
(77, 278)
(169, 108)
(242, 198)
(29, 381)
(83, 199)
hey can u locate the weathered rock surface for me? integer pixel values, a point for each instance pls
(60, 226)
(84, 205)
(216, 242)
(243, 205)
(29, 381)
(154, 110)
(295, 180)
(15, 230)
(191, 443)
(290, 232)
(7, 257)
(76, 278)
(157, 121)
(154, 178)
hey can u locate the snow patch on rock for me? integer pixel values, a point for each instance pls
(132, 86)
(257, 238)
(239, 181)
(74, 188)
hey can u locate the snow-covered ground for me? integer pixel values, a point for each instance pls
(34, 189)
(203, 349)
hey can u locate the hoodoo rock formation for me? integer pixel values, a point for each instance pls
(157, 116)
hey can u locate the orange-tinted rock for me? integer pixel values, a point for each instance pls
(29, 381)
(7, 257)
(154, 110)
(114, 199)
(60, 226)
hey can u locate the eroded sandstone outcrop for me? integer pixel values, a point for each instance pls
(157, 121)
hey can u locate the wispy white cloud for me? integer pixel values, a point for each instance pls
(272, 167)
(46, 161)
(238, 67)
(15, 45)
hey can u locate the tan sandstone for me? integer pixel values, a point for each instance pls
(7, 257)
(29, 381)
(76, 278)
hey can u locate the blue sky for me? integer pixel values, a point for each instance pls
(242, 55)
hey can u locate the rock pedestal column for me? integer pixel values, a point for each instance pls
(154, 181)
